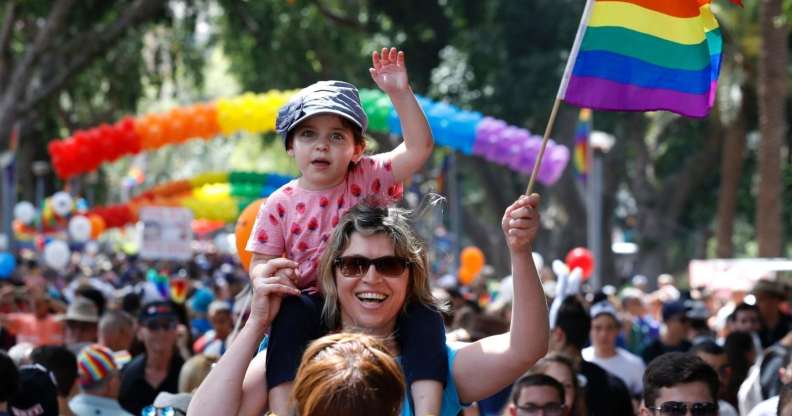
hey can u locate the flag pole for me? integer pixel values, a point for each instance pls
(548, 129)
(570, 64)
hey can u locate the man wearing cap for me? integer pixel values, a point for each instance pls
(673, 334)
(81, 320)
(605, 327)
(36, 392)
(775, 323)
(606, 394)
(157, 369)
(99, 384)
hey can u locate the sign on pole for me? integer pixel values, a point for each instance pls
(167, 233)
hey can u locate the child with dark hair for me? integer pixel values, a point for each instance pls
(9, 377)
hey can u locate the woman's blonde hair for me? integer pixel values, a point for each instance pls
(348, 374)
(194, 371)
(367, 218)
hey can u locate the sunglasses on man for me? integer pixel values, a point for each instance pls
(356, 266)
(681, 409)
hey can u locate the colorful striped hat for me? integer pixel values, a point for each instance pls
(95, 363)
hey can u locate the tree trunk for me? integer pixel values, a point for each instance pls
(772, 96)
(731, 172)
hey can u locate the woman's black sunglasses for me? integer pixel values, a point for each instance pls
(356, 266)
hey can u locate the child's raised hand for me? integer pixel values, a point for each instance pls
(388, 70)
(521, 222)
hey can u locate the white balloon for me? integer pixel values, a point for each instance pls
(25, 212)
(91, 248)
(62, 203)
(56, 254)
(80, 228)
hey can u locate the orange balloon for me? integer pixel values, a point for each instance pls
(472, 258)
(97, 225)
(466, 276)
(244, 227)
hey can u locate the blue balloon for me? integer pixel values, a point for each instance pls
(7, 265)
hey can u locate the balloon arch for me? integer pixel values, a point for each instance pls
(211, 196)
(468, 132)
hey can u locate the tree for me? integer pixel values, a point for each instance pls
(772, 100)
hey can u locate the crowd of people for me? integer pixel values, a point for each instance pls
(338, 312)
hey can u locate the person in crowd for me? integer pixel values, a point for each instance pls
(775, 323)
(36, 393)
(213, 342)
(673, 334)
(323, 128)
(606, 394)
(678, 383)
(59, 360)
(537, 394)
(745, 318)
(116, 332)
(759, 392)
(80, 324)
(605, 327)
(374, 264)
(99, 383)
(698, 317)
(780, 405)
(157, 368)
(348, 373)
(9, 377)
(38, 327)
(741, 355)
(562, 368)
(639, 327)
(194, 371)
(714, 355)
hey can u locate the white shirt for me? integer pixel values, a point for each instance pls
(768, 407)
(625, 365)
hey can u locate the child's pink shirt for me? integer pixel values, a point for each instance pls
(297, 222)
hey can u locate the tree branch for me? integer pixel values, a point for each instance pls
(9, 17)
(134, 14)
(337, 18)
(678, 188)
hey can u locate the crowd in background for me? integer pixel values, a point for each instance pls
(106, 334)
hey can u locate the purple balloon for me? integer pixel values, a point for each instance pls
(531, 150)
(489, 136)
(556, 159)
(521, 138)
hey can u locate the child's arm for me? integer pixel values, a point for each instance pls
(390, 74)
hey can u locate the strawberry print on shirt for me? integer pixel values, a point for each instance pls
(297, 223)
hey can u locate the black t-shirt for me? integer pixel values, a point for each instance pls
(606, 394)
(656, 348)
(136, 393)
(770, 336)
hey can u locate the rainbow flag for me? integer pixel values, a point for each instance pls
(580, 157)
(645, 55)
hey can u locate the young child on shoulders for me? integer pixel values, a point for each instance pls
(323, 127)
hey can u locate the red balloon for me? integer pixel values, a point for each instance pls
(582, 258)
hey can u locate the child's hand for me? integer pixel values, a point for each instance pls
(521, 222)
(389, 72)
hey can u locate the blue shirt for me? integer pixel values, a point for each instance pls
(451, 404)
(90, 405)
